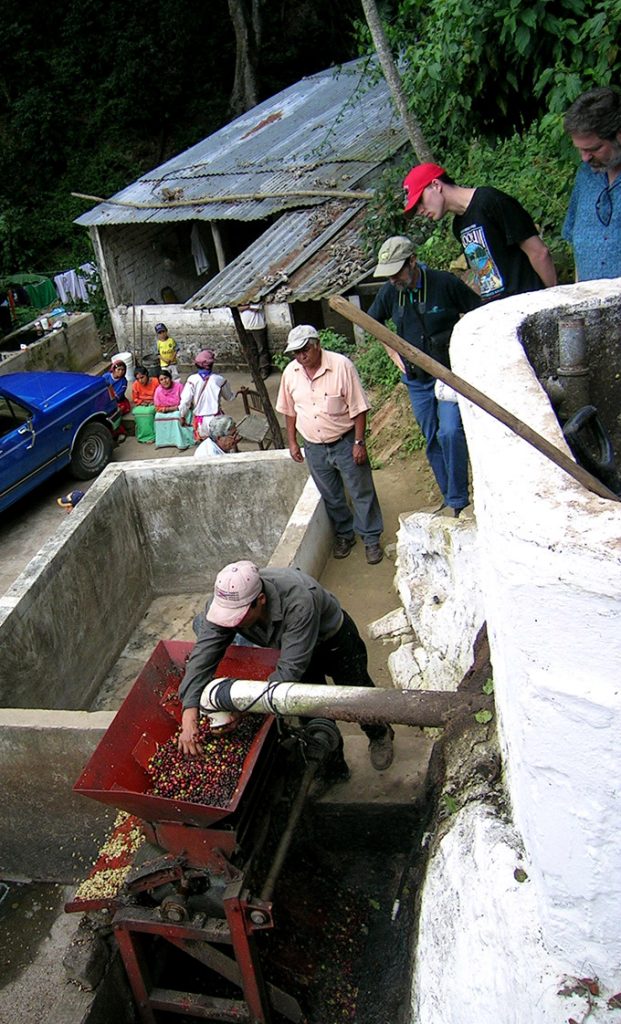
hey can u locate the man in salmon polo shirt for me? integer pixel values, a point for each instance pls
(321, 397)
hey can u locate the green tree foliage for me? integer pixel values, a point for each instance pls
(489, 82)
(496, 66)
(92, 95)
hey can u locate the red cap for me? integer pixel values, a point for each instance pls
(416, 181)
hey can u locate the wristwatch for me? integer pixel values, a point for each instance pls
(362, 442)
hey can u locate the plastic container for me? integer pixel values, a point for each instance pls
(128, 359)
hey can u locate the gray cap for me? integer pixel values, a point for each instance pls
(392, 255)
(299, 336)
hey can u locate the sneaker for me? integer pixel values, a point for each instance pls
(342, 546)
(381, 750)
(374, 553)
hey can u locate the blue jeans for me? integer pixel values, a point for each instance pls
(332, 467)
(446, 451)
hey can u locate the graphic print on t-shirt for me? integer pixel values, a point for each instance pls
(479, 257)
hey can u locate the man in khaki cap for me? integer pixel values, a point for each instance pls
(425, 305)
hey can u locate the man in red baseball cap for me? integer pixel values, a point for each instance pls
(498, 237)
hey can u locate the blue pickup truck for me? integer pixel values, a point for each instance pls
(49, 421)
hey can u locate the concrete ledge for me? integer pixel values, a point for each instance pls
(48, 833)
(75, 347)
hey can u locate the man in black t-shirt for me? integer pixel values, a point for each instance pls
(498, 237)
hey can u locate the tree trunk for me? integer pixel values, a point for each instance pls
(414, 130)
(246, 19)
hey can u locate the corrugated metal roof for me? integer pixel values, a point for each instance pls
(304, 255)
(326, 132)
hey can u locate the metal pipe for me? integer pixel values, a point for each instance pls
(572, 370)
(285, 840)
(343, 703)
(571, 342)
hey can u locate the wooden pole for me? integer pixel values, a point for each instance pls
(414, 355)
(249, 350)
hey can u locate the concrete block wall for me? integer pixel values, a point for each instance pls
(142, 259)
(76, 347)
(143, 528)
(68, 616)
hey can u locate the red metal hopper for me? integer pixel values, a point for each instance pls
(150, 714)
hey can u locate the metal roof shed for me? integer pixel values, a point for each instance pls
(258, 182)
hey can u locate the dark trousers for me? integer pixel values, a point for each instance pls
(344, 659)
(262, 348)
(332, 467)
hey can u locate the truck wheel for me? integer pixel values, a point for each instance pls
(92, 451)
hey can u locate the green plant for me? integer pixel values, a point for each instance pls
(450, 804)
(375, 367)
(413, 440)
(334, 342)
(280, 360)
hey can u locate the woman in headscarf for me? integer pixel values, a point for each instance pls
(203, 392)
(170, 431)
(143, 390)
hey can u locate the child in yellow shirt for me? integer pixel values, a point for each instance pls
(166, 350)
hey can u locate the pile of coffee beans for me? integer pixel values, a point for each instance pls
(211, 777)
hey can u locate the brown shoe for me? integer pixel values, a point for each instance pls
(374, 553)
(342, 546)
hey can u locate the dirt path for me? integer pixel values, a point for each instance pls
(367, 591)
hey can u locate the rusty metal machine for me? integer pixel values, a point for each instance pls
(183, 876)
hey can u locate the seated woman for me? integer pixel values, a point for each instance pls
(169, 430)
(116, 379)
(143, 390)
(222, 438)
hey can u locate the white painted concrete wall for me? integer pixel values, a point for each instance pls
(550, 555)
(194, 329)
(437, 579)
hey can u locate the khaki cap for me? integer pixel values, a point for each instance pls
(392, 255)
